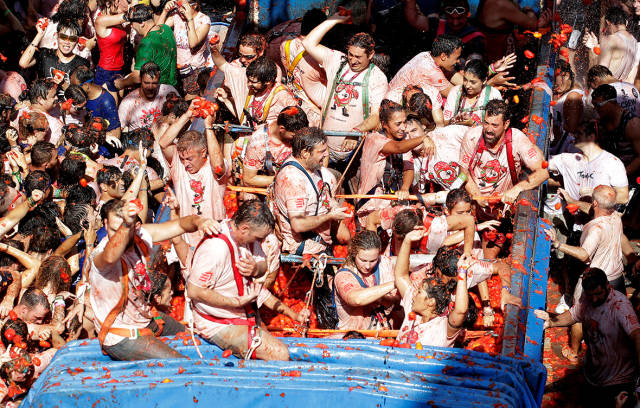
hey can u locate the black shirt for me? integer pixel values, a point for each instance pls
(47, 60)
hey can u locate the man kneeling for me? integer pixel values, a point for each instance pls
(223, 285)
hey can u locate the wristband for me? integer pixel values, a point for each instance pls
(507, 288)
(125, 17)
(31, 202)
(6, 12)
(492, 70)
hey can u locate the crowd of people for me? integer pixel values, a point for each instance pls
(113, 205)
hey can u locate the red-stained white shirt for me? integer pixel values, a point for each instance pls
(477, 109)
(601, 238)
(443, 167)
(611, 355)
(294, 195)
(421, 70)
(256, 153)
(106, 289)
(135, 112)
(211, 268)
(200, 193)
(491, 170)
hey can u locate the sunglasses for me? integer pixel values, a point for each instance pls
(246, 56)
(64, 37)
(455, 10)
(601, 104)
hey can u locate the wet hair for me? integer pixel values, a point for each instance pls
(113, 206)
(311, 19)
(616, 15)
(254, 40)
(382, 61)
(292, 118)
(41, 153)
(363, 240)
(387, 109)
(40, 89)
(19, 328)
(471, 316)
(151, 69)
(27, 124)
(132, 139)
(306, 139)
(158, 280)
(364, 41)
(70, 10)
(563, 67)
(45, 239)
(594, 278)
(108, 175)
(445, 44)
(72, 169)
(33, 297)
(598, 71)
(353, 335)
(437, 290)
(6, 259)
(263, 69)
(36, 180)
(405, 93)
(255, 213)
(75, 216)
(55, 270)
(4, 142)
(604, 92)
(78, 137)
(446, 261)
(171, 102)
(84, 74)
(104, 4)
(80, 195)
(477, 68)
(405, 221)
(7, 104)
(420, 106)
(497, 107)
(69, 25)
(454, 3)
(76, 93)
(191, 139)
(140, 13)
(457, 195)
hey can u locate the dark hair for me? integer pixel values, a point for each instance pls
(497, 107)
(420, 106)
(70, 25)
(594, 278)
(471, 316)
(364, 41)
(446, 261)
(362, 240)
(45, 239)
(563, 67)
(81, 195)
(170, 102)
(477, 68)
(4, 141)
(437, 290)
(383, 61)
(454, 3)
(615, 15)
(54, 269)
(40, 89)
(83, 73)
(255, 213)
(387, 109)
(41, 153)
(150, 69)
(19, 328)
(405, 221)
(405, 93)
(604, 92)
(140, 13)
(78, 137)
(263, 69)
(6, 259)
(108, 175)
(445, 44)
(72, 169)
(598, 71)
(112, 206)
(293, 118)
(353, 335)
(36, 180)
(33, 297)
(254, 40)
(311, 19)
(132, 139)
(76, 93)
(457, 195)
(306, 139)
(75, 216)
(70, 10)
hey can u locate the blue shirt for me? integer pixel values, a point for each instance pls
(104, 106)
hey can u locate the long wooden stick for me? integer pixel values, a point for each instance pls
(355, 153)
(469, 334)
(253, 190)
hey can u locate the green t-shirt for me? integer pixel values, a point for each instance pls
(159, 46)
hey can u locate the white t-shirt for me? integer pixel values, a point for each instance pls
(477, 112)
(444, 167)
(601, 238)
(135, 112)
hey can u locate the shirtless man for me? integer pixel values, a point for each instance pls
(304, 190)
(628, 95)
(198, 170)
(226, 288)
(123, 319)
(143, 106)
(618, 46)
(492, 157)
(305, 77)
(355, 86)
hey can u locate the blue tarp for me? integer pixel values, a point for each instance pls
(322, 373)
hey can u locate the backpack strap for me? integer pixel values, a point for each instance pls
(268, 157)
(292, 64)
(306, 173)
(365, 92)
(508, 140)
(267, 103)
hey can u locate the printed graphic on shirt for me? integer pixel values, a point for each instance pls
(446, 173)
(491, 172)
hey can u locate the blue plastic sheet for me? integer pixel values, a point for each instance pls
(322, 373)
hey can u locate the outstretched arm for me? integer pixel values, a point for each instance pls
(311, 42)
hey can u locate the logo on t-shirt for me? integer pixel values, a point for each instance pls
(343, 95)
(492, 171)
(585, 175)
(149, 116)
(446, 173)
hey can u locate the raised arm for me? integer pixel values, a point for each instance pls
(118, 243)
(311, 42)
(14, 216)
(196, 34)
(216, 157)
(401, 271)
(466, 223)
(457, 315)
(103, 22)
(414, 16)
(27, 59)
(173, 228)
(302, 223)
(167, 138)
